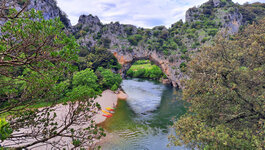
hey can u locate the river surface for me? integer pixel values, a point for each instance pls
(143, 121)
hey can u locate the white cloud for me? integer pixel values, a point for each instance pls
(143, 13)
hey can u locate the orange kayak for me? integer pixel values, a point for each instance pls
(106, 112)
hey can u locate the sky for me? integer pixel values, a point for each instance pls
(142, 13)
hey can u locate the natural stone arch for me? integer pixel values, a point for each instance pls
(126, 59)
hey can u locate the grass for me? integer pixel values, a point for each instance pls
(145, 69)
(142, 64)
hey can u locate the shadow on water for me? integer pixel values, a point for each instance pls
(144, 120)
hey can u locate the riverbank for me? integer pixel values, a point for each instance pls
(107, 99)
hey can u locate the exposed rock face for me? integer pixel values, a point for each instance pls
(118, 34)
(84, 19)
(116, 37)
(235, 21)
(48, 7)
(127, 59)
(231, 19)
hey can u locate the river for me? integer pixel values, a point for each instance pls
(143, 121)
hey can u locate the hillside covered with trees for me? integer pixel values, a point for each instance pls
(216, 56)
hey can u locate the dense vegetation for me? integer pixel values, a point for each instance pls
(38, 69)
(177, 43)
(144, 69)
(96, 57)
(226, 92)
(42, 66)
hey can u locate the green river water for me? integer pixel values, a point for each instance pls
(143, 121)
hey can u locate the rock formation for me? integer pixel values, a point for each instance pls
(169, 48)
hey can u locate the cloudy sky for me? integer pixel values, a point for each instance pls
(142, 13)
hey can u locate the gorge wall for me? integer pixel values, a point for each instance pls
(170, 48)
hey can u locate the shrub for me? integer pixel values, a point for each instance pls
(212, 32)
(205, 39)
(5, 130)
(156, 33)
(108, 79)
(106, 42)
(135, 39)
(183, 50)
(129, 30)
(183, 67)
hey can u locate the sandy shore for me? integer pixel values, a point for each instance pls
(107, 99)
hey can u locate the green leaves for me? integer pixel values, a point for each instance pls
(5, 130)
(108, 79)
(144, 69)
(226, 92)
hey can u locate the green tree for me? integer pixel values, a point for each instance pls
(36, 59)
(134, 39)
(108, 79)
(97, 57)
(226, 93)
(155, 72)
(5, 129)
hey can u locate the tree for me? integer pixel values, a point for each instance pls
(98, 57)
(226, 94)
(36, 58)
(108, 79)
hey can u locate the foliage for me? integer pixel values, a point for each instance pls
(5, 130)
(108, 79)
(143, 69)
(84, 85)
(36, 58)
(129, 30)
(226, 92)
(106, 42)
(252, 12)
(134, 39)
(183, 67)
(95, 57)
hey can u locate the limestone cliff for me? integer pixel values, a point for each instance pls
(170, 48)
(48, 7)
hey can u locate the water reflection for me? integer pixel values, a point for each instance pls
(144, 120)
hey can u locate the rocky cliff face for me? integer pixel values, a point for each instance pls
(120, 39)
(114, 36)
(168, 48)
(223, 12)
(50, 10)
(48, 7)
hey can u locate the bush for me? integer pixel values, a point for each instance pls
(129, 30)
(143, 69)
(212, 32)
(183, 50)
(205, 39)
(155, 73)
(183, 67)
(108, 79)
(106, 42)
(156, 33)
(135, 39)
(98, 57)
(5, 130)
